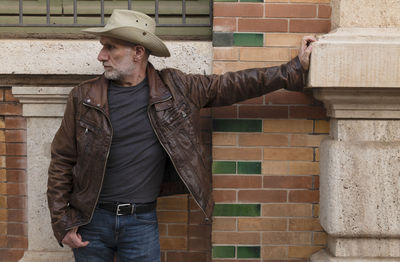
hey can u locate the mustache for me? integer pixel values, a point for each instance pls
(106, 64)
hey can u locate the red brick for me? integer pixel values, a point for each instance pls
(262, 196)
(16, 162)
(238, 10)
(316, 182)
(200, 244)
(15, 135)
(16, 149)
(290, 10)
(2, 94)
(262, 25)
(17, 176)
(314, 112)
(15, 122)
(17, 229)
(287, 182)
(17, 202)
(11, 254)
(17, 215)
(224, 112)
(288, 97)
(11, 109)
(309, 26)
(186, 256)
(304, 196)
(263, 112)
(17, 242)
(224, 24)
(200, 231)
(196, 217)
(324, 11)
(9, 96)
(256, 100)
(16, 189)
(224, 195)
(235, 181)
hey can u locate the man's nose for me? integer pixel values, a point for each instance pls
(102, 55)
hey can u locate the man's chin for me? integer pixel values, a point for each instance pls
(111, 75)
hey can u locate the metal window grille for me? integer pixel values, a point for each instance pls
(129, 5)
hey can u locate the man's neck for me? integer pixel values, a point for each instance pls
(137, 76)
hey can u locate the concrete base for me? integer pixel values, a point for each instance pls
(47, 256)
(324, 256)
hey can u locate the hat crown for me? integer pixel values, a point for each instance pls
(129, 18)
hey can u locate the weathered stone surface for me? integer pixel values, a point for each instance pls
(362, 102)
(324, 256)
(348, 58)
(365, 247)
(43, 256)
(365, 13)
(42, 101)
(359, 130)
(79, 57)
(360, 188)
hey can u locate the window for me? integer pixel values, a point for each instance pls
(188, 19)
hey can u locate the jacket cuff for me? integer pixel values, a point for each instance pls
(297, 75)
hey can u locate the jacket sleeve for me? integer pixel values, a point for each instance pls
(63, 159)
(232, 87)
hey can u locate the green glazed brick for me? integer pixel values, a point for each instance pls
(225, 0)
(234, 210)
(248, 39)
(248, 252)
(223, 252)
(258, 1)
(222, 39)
(237, 125)
(224, 167)
(249, 168)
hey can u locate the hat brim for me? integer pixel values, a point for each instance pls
(133, 35)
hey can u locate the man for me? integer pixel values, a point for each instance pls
(133, 134)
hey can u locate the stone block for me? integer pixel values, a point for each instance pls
(360, 184)
(79, 57)
(359, 57)
(365, 13)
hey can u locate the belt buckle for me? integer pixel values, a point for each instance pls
(124, 205)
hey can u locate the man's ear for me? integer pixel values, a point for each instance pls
(140, 53)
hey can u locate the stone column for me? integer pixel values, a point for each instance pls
(355, 71)
(43, 108)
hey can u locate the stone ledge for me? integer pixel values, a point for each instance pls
(362, 103)
(79, 57)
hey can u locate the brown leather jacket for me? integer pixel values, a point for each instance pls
(81, 146)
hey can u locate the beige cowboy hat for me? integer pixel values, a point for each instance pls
(133, 27)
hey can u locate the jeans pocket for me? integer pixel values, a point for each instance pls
(147, 217)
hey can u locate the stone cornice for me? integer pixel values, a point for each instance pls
(41, 101)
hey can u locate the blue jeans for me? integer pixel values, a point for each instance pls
(132, 238)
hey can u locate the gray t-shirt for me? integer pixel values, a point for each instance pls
(136, 162)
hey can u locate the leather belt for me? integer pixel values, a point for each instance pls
(121, 209)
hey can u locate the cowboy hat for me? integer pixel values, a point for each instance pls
(133, 27)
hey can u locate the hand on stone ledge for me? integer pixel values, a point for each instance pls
(305, 51)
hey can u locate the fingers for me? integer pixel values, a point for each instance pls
(73, 239)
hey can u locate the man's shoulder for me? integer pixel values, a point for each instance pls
(85, 85)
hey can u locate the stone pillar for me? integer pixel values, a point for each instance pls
(43, 108)
(355, 71)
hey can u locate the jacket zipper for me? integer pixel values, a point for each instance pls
(173, 163)
(104, 169)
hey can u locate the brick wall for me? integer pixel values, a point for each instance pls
(265, 150)
(13, 227)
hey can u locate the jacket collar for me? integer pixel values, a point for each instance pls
(97, 95)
